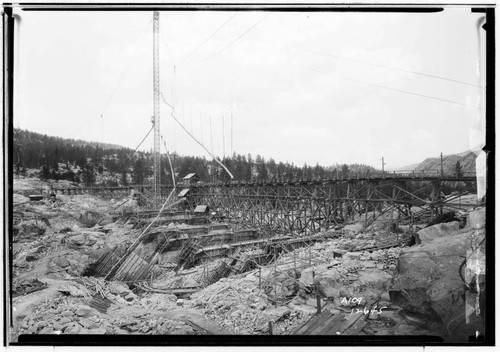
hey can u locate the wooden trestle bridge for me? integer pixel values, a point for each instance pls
(309, 206)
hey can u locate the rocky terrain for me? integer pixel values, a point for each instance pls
(420, 289)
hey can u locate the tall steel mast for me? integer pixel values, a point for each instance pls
(156, 108)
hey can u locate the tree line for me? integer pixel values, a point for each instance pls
(78, 161)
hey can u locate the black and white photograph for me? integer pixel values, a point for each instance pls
(299, 174)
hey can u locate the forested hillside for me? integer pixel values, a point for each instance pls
(104, 164)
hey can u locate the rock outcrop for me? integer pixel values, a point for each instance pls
(430, 233)
(429, 283)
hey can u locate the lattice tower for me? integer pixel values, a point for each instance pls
(156, 108)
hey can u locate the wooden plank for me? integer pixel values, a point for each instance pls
(334, 326)
(323, 318)
(356, 328)
(139, 272)
(124, 273)
(354, 317)
(360, 323)
(312, 322)
(176, 291)
(122, 270)
(319, 328)
(131, 269)
(302, 327)
(340, 328)
(198, 327)
(125, 267)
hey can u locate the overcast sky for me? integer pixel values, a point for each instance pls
(301, 87)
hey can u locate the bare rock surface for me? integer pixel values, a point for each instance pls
(429, 283)
(477, 217)
(430, 233)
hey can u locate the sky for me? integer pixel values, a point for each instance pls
(301, 87)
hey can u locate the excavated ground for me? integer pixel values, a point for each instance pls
(54, 243)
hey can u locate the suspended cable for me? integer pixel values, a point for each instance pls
(169, 160)
(125, 69)
(391, 68)
(201, 129)
(174, 59)
(395, 89)
(208, 38)
(185, 130)
(140, 237)
(171, 171)
(231, 43)
(123, 164)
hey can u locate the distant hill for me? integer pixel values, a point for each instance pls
(81, 161)
(404, 168)
(25, 136)
(88, 162)
(467, 162)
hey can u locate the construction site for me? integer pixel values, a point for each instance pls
(390, 254)
(213, 260)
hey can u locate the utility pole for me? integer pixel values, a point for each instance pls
(383, 164)
(156, 108)
(441, 163)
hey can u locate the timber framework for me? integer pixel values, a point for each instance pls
(312, 205)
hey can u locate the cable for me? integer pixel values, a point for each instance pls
(201, 129)
(394, 89)
(172, 114)
(169, 161)
(391, 68)
(123, 164)
(137, 240)
(231, 43)
(174, 59)
(114, 208)
(125, 70)
(206, 40)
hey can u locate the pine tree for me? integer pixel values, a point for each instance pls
(458, 169)
(344, 170)
(139, 171)
(273, 168)
(88, 176)
(45, 172)
(54, 172)
(261, 168)
(124, 180)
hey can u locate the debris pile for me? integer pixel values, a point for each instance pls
(63, 317)
(24, 287)
(247, 287)
(239, 306)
